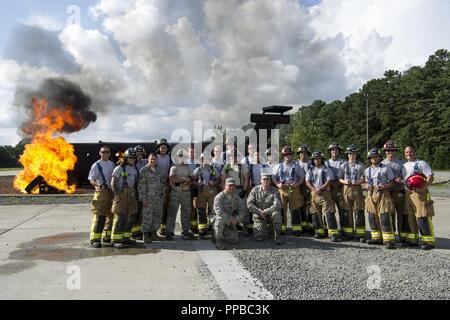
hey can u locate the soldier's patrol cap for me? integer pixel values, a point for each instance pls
(265, 175)
(230, 181)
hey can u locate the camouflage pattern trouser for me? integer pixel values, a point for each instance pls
(179, 197)
(352, 207)
(379, 209)
(420, 211)
(166, 201)
(102, 219)
(292, 198)
(261, 226)
(124, 209)
(151, 215)
(223, 230)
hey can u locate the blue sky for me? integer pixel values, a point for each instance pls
(19, 11)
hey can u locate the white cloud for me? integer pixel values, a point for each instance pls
(43, 22)
(417, 28)
(158, 65)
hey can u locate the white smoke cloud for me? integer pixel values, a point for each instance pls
(157, 65)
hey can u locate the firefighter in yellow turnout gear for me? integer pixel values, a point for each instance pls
(207, 179)
(378, 180)
(419, 206)
(100, 177)
(124, 185)
(397, 192)
(318, 180)
(288, 176)
(351, 175)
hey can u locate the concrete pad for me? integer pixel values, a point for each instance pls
(35, 259)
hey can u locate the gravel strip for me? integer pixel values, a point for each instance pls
(309, 269)
(6, 200)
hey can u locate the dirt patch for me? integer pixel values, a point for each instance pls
(7, 187)
(68, 247)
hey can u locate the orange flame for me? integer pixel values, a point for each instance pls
(48, 155)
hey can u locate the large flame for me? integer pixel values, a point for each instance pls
(49, 154)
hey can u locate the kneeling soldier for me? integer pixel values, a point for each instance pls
(352, 177)
(264, 204)
(230, 210)
(379, 179)
(318, 180)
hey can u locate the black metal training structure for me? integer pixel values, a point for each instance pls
(271, 117)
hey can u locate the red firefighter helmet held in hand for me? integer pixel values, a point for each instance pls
(416, 181)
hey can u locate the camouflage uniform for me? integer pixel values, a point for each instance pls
(226, 206)
(271, 203)
(150, 189)
(180, 195)
(238, 172)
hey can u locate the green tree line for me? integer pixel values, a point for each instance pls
(412, 107)
(9, 156)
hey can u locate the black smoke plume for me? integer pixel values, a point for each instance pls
(60, 94)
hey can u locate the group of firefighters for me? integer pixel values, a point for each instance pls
(225, 194)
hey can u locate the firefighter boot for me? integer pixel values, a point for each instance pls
(277, 233)
(155, 237)
(147, 237)
(96, 244)
(220, 244)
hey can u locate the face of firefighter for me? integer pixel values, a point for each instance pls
(191, 153)
(104, 153)
(352, 157)
(304, 156)
(390, 154)
(335, 153)
(229, 189)
(256, 157)
(152, 160)
(288, 158)
(375, 160)
(410, 154)
(140, 156)
(318, 162)
(163, 149)
(217, 152)
(131, 161)
(251, 150)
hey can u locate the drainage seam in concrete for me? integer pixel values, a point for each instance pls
(230, 275)
(44, 211)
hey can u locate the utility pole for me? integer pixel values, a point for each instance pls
(367, 120)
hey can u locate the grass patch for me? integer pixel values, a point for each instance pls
(10, 169)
